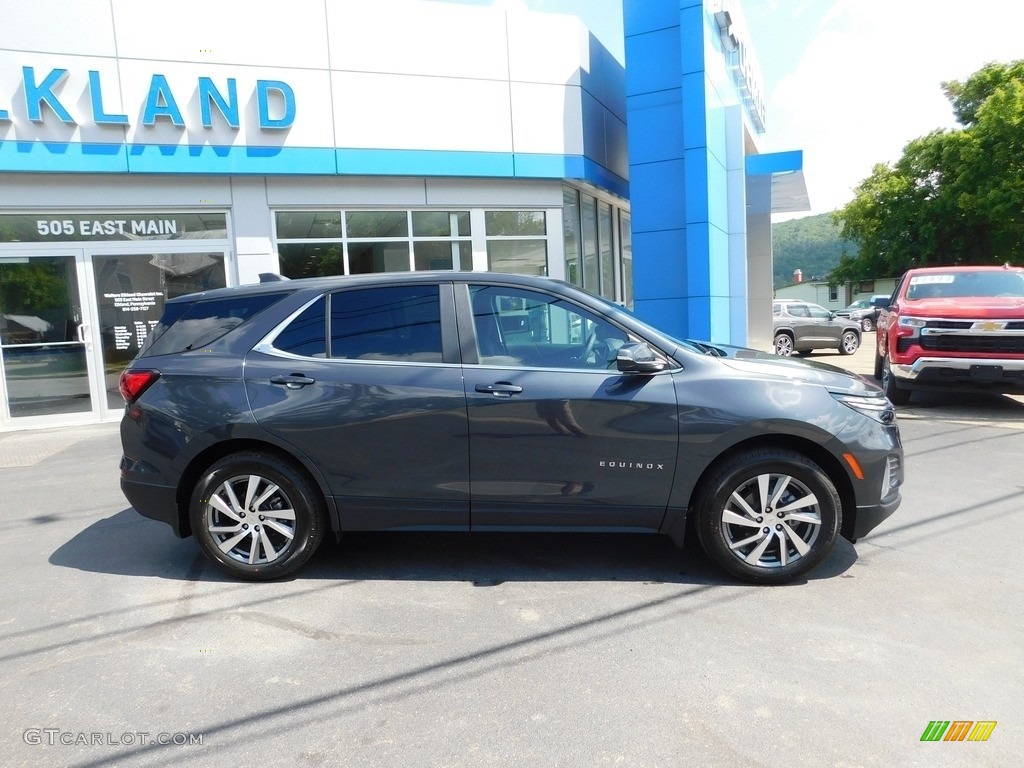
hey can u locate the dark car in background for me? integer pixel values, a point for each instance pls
(262, 418)
(865, 311)
(801, 327)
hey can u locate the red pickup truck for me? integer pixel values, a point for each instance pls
(953, 327)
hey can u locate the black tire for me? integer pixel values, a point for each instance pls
(867, 324)
(783, 344)
(735, 538)
(878, 366)
(849, 343)
(267, 514)
(894, 393)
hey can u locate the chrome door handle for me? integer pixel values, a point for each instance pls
(499, 389)
(294, 381)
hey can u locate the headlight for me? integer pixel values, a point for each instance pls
(878, 408)
(912, 322)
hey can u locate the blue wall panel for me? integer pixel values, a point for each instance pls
(665, 202)
(663, 267)
(651, 119)
(653, 61)
(696, 180)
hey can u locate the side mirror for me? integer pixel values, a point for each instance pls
(638, 357)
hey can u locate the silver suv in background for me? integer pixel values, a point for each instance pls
(801, 327)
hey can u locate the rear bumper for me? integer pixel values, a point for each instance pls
(157, 502)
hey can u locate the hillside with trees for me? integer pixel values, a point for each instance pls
(813, 245)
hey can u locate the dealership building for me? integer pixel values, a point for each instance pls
(144, 155)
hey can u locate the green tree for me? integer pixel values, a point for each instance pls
(953, 197)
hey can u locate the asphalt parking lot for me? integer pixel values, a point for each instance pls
(515, 650)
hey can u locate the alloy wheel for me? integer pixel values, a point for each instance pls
(250, 519)
(771, 521)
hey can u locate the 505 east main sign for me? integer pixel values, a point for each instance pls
(44, 99)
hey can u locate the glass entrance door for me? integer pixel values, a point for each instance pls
(44, 344)
(130, 292)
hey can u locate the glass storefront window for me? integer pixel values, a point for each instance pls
(443, 254)
(377, 224)
(515, 223)
(626, 246)
(311, 259)
(571, 234)
(364, 258)
(591, 272)
(607, 258)
(522, 257)
(440, 223)
(300, 225)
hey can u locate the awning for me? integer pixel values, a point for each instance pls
(775, 183)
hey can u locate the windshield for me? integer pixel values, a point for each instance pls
(966, 284)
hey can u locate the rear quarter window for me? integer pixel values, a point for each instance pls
(186, 326)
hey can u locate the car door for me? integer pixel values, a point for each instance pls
(826, 329)
(367, 384)
(803, 325)
(558, 437)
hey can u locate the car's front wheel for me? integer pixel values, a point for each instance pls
(783, 344)
(849, 343)
(256, 516)
(768, 516)
(867, 324)
(894, 393)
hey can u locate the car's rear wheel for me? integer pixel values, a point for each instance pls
(256, 516)
(783, 344)
(894, 393)
(768, 516)
(867, 324)
(849, 343)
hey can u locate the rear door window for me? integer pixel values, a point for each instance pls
(396, 323)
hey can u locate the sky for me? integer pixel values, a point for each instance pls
(849, 82)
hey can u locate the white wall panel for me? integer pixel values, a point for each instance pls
(547, 119)
(494, 192)
(81, 28)
(346, 191)
(79, 191)
(312, 126)
(433, 113)
(206, 31)
(417, 38)
(547, 48)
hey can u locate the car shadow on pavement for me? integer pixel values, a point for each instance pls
(127, 544)
(964, 405)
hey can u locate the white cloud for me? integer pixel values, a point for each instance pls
(869, 82)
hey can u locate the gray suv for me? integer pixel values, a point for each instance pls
(801, 327)
(263, 418)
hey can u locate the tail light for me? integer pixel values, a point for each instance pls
(134, 382)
